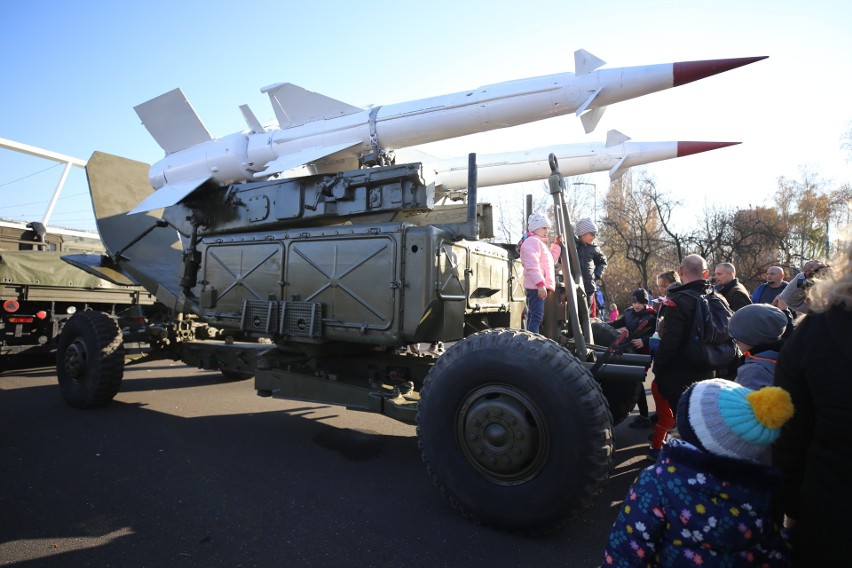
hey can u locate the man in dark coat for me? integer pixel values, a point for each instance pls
(814, 450)
(673, 371)
(728, 286)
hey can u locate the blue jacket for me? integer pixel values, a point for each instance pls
(695, 509)
(755, 296)
(758, 370)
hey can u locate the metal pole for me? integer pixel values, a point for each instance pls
(578, 314)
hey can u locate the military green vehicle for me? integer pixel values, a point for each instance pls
(39, 292)
(315, 286)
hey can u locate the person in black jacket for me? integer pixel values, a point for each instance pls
(640, 321)
(673, 371)
(592, 259)
(814, 450)
(725, 277)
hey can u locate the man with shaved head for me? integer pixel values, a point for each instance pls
(725, 278)
(769, 290)
(673, 371)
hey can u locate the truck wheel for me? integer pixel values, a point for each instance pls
(90, 359)
(514, 431)
(621, 396)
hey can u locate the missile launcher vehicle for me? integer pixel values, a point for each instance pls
(317, 287)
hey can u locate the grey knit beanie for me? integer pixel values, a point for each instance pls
(758, 324)
(584, 226)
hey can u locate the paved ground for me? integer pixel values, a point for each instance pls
(184, 469)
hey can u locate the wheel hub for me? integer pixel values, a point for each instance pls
(75, 359)
(502, 433)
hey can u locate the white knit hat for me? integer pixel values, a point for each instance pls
(537, 221)
(584, 226)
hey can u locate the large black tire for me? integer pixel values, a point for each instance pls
(621, 396)
(514, 431)
(90, 359)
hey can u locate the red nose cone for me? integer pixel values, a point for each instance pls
(689, 71)
(687, 148)
(11, 306)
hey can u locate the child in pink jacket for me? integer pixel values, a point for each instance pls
(539, 274)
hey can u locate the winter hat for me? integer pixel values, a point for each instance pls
(727, 419)
(639, 295)
(537, 221)
(584, 226)
(758, 324)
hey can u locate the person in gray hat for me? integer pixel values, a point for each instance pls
(592, 259)
(758, 330)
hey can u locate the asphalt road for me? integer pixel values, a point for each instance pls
(185, 469)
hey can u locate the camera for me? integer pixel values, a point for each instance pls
(804, 282)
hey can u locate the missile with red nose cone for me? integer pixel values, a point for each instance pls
(330, 135)
(616, 155)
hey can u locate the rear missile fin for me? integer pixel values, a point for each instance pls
(614, 138)
(585, 62)
(306, 156)
(172, 121)
(294, 105)
(168, 195)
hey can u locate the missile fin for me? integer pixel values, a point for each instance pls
(251, 120)
(582, 108)
(302, 157)
(294, 105)
(585, 62)
(591, 118)
(168, 195)
(172, 121)
(614, 138)
(618, 169)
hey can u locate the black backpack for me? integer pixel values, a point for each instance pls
(710, 345)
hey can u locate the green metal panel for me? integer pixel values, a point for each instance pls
(242, 271)
(355, 279)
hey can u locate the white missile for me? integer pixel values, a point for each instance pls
(616, 155)
(316, 129)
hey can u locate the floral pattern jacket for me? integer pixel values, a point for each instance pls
(692, 508)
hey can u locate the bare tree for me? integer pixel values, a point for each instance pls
(631, 226)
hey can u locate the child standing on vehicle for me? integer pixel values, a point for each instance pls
(592, 260)
(708, 501)
(538, 262)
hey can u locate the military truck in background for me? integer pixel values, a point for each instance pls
(39, 292)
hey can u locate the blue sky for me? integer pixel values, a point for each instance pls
(72, 73)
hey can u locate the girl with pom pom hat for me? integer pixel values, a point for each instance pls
(709, 500)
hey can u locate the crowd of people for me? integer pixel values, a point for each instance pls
(753, 457)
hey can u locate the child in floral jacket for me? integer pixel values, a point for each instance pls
(707, 501)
